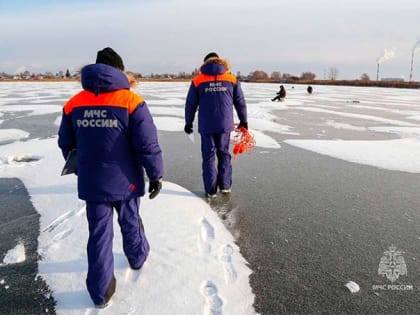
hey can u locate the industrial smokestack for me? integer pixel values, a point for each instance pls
(411, 68)
(416, 48)
(386, 55)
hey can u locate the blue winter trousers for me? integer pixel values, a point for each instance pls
(212, 146)
(99, 247)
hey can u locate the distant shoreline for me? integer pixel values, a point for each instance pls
(359, 83)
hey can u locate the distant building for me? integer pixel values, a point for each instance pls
(393, 79)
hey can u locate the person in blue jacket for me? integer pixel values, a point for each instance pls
(215, 92)
(116, 140)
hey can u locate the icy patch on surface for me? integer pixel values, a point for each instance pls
(359, 116)
(415, 117)
(11, 135)
(267, 125)
(337, 125)
(23, 158)
(402, 131)
(169, 110)
(264, 141)
(15, 255)
(169, 123)
(352, 286)
(398, 155)
(33, 110)
(57, 121)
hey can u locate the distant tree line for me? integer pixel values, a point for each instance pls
(330, 77)
(254, 76)
(27, 75)
(276, 76)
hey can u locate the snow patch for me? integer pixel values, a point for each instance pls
(15, 255)
(352, 286)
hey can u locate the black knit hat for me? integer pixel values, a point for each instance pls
(109, 57)
(211, 55)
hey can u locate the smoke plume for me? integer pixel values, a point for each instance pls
(387, 55)
(416, 47)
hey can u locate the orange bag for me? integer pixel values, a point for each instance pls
(242, 142)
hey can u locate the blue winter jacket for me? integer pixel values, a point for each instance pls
(114, 134)
(215, 92)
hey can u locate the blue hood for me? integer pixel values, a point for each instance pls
(213, 68)
(99, 78)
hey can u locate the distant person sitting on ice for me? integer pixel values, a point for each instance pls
(309, 89)
(281, 95)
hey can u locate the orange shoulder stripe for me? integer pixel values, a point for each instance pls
(119, 98)
(202, 78)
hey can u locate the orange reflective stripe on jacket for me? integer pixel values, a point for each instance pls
(119, 98)
(202, 78)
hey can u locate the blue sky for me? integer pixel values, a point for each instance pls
(174, 35)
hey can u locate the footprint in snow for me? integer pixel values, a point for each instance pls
(225, 258)
(214, 303)
(206, 236)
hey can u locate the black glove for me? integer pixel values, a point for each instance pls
(243, 124)
(155, 187)
(188, 129)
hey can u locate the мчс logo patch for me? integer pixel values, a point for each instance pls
(392, 266)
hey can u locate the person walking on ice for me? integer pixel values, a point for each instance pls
(116, 140)
(215, 92)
